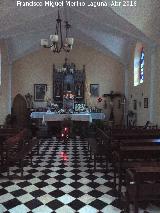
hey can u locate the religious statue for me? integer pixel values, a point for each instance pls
(78, 90)
(58, 93)
(28, 97)
(69, 80)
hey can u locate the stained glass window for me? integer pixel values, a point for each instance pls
(139, 64)
(142, 66)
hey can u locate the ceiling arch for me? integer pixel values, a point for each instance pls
(110, 30)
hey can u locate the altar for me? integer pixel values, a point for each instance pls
(52, 116)
(77, 122)
(68, 107)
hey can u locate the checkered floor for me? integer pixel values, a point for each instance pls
(61, 180)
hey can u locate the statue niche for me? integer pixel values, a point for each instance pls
(68, 80)
(68, 83)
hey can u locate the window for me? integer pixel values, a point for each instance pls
(142, 66)
(139, 64)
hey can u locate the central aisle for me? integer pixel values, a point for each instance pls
(61, 181)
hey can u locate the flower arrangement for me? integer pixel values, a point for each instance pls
(80, 107)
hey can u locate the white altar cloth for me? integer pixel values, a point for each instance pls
(61, 117)
(52, 116)
(97, 115)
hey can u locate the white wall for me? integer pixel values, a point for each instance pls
(38, 68)
(149, 88)
(156, 84)
(5, 83)
(143, 16)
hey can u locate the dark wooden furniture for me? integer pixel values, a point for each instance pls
(154, 141)
(20, 112)
(132, 148)
(4, 134)
(136, 134)
(142, 184)
(8, 131)
(133, 136)
(133, 156)
(11, 140)
(68, 79)
(16, 148)
(150, 133)
(134, 142)
(99, 146)
(20, 155)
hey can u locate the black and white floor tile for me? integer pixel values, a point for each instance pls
(61, 180)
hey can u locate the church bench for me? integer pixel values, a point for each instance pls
(136, 135)
(137, 140)
(115, 144)
(98, 150)
(12, 143)
(8, 145)
(123, 130)
(134, 131)
(20, 139)
(118, 135)
(131, 156)
(142, 184)
(20, 155)
(132, 137)
(99, 146)
(6, 132)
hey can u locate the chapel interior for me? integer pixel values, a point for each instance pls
(79, 106)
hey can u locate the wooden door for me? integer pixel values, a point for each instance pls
(20, 111)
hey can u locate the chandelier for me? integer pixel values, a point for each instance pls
(56, 43)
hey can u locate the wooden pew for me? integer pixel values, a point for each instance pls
(133, 156)
(135, 133)
(16, 148)
(99, 146)
(132, 136)
(130, 146)
(20, 156)
(138, 141)
(7, 132)
(142, 184)
(4, 134)
(134, 142)
(8, 144)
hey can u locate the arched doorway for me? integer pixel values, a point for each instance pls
(20, 111)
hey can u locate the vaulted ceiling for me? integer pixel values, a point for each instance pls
(145, 16)
(109, 29)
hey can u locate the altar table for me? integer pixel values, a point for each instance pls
(52, 116)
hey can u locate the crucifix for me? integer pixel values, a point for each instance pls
(112, 96)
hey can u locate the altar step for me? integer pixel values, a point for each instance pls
(43, 132)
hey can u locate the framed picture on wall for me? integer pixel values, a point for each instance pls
(39, 92)
(145, 102)
(94, 90)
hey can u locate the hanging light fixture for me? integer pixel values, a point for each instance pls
(68, 40)
(56, 43)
